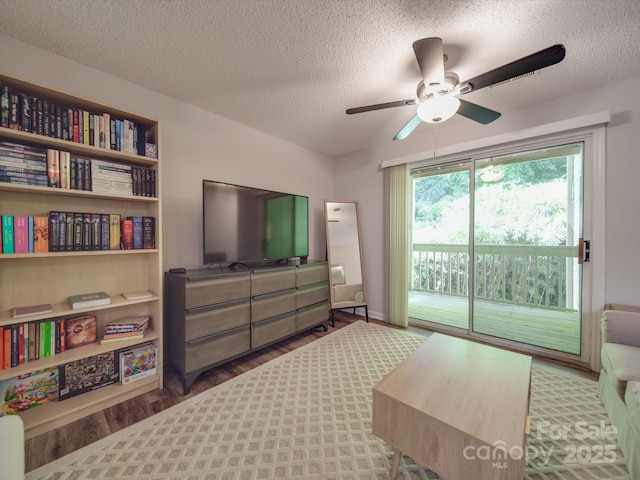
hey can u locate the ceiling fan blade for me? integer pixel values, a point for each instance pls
(430, 58)
(477, 113)
(380, 106)
(408, 128)
(535, 61)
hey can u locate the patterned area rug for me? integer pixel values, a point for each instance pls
(307, 414)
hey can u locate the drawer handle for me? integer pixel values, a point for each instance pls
(266, 321)
(282, 293)
(197, 341)
(216, 306)
(211, 276)
(271, 270)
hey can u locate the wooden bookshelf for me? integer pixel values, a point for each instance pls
(55, 414)
(36, 278)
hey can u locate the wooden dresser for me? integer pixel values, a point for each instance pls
(216, 315)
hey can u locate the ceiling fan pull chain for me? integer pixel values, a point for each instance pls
(435, 139)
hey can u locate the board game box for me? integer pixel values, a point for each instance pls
(29, 390)
(137, 363)
(88, 374)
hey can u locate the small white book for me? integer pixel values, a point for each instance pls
(137, 295)
(89, 300)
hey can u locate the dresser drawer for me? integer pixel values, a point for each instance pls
(217, 289)
(309, 316)
(205, 321)
(209, 350)
(272, 280)
(272, 329)
(312, 294)
(309, 274)
(273, 304)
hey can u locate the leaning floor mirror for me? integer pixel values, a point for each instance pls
(344, 256)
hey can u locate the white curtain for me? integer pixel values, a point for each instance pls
(397, 257)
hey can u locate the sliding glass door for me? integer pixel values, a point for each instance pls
(495, 247)
(440, 245)
(526, 228)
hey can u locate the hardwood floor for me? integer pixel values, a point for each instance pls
(49, 446)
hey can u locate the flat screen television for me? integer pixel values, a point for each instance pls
(243, 225)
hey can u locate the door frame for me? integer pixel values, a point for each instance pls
(594, 213)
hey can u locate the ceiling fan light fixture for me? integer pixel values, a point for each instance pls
(438, 108)
(492, 174)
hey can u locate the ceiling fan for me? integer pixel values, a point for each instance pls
(438, 91)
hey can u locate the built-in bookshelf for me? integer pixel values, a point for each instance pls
(51, 277)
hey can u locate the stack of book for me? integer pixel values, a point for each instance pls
(23, 164)
(109, 177)
(132, 328)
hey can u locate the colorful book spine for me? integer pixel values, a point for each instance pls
(148, 232)
(70, 231)
(114, 231)
(62, 231)
(54, 233)
(40, 234)
(65, 170)
(14, 346)
(47, 339)
(86, 232)
(32, 341)
(42, 339)
(21, 234)
(7, 234)
(78, 225)
(7, 347)
(20, 345)
(126, 232)
(138, 235)
(53, 167)
(31, 233)
(14, 115)
(4, 105)
(105, 232)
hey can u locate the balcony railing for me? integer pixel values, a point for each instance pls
(536, 276)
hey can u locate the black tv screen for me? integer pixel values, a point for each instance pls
(244, 224)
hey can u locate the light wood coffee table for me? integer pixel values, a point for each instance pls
(458, 408)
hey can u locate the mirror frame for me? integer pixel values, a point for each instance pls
(333, 273)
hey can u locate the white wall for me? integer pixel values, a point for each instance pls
(198, 144)
(359, 177)
(195, 144)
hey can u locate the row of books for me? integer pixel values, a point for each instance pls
(20, 111)
(31, 341)
(76, 231)
(29, 165)
(74, 378)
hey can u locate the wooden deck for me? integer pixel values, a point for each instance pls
(555, 330)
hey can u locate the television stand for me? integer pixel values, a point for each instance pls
(216, 316)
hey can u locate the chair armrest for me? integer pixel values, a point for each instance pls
(12, 456)
(619, 326)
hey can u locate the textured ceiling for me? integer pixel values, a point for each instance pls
(290, 68)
